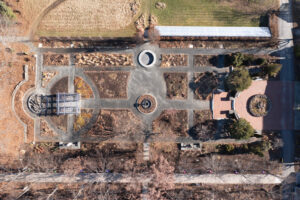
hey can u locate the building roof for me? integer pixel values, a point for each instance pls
(213, 31)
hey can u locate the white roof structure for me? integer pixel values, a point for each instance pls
(213, 31)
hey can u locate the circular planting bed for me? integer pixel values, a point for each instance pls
(34, 104)
(259, 105)
(147, 58)
(146, 104)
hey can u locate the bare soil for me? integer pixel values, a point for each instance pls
(171, 122)
(111, 84)
(60, 121)
(60, 86)
(177, 85)
(111, 123)
(205, 60)
(56, 59)
(174, 60)
(204, 84)
(46, 131)
(11, 73)
(82, 88)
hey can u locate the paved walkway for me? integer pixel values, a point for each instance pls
(285, 25)
(125, 178)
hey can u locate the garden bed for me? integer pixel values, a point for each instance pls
(174, 60)
(204, 84)
(111, 123)
(205, 60)
(241, 191)
(205, 127)
(82, 119)
(111, 84)
(103, 60)
(82, 88)
(242, 163)
(56, 59)
(171, 122)
(46, 77)
(177, 85)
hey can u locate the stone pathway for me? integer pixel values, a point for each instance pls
(125, 178)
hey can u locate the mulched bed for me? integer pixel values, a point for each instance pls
(177, 85)
(204, 128)
(151, 107)
(218, 44)
(174, 60)
(111, 123)
(103, 60)
(204, 84)
(171, 122)
(205, 60)
(82, 88)
(56, 59)
(111, 84)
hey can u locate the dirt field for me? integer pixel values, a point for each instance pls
(104, 18)
(177, 85)
(111, 84)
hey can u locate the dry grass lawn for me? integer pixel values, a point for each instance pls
(106, 18)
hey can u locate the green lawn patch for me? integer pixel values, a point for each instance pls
(211, 12)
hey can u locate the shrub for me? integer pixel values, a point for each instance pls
(226, 148)
(241, 129)
(297, 51)
(238, 80)
(259, 147)
(6, 11)
(273, 69)
(261, 61)
(238, 59)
